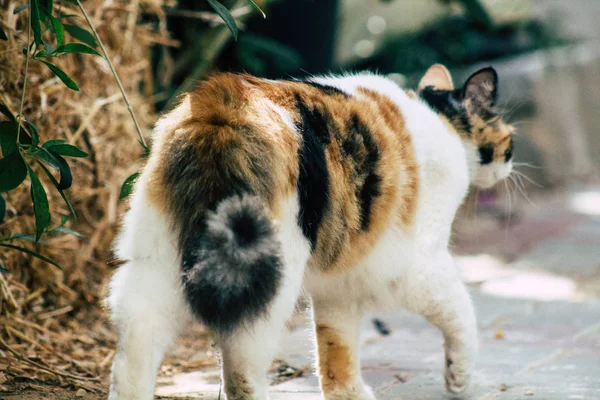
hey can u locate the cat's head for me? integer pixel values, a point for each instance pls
(471, 111)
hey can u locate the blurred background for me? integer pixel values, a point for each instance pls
(535, 237)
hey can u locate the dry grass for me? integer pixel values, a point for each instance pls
(51, 323)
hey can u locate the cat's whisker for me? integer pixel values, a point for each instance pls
(514, 193)
(528, 165)
(517, 179)
(527, 178)
(509, 213)
(475, 203)
(510, 194)
(509, 111)
(523, 122)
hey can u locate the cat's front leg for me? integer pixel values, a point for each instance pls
(337, 329)
(435, 290)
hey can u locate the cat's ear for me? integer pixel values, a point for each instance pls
(438, 77)
(481, 90)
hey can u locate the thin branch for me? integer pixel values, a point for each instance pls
(24, 76)
(114, 72)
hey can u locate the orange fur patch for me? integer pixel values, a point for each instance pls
(335, 360)
(234, 135)
(495, 131)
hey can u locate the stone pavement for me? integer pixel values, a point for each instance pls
(536, 289)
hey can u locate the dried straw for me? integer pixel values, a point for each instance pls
(51, 325)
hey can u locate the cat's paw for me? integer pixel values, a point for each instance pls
(362, 392)
(457, 374)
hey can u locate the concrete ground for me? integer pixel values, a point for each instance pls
(536, 285)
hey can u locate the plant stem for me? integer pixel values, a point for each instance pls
(114, 72)
(24, 77)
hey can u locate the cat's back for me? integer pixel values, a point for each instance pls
(345, 155)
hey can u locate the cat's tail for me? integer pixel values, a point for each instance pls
(231, 272)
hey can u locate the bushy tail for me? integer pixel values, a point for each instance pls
(232, 271)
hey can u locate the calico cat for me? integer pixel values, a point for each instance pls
(342, 187)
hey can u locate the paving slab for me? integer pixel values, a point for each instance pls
(547, 350)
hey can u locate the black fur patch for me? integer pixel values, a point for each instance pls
(508, 153)
(188, 192)
(232, 271)
(486, 153)
(319, 121)
(371, 187)
(449, 104)
(313, 179)
(326, 89)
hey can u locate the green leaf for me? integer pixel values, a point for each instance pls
(61, 228)
(55, 161)
(2, 209)
(257, 8)
(6, 112)
(127, 187)
(48, 6)
(3, 35)
(66, 150)
(58, 30)
(56, 185)
(8, 137)
(62, 75)
(20, 236)
(48, 50)
(41, 208)
(44, 155)
(225, 16)
(34, 132)
(36, 21)
(13, 171)
(68, 231)
(20, 8)
(42, 53)
(75, 48)
(66, 178)
(63, 220)
(53, 142)
(31, 253)
(81, 34)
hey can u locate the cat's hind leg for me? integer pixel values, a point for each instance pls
(249, 349)
(337, 329)
(434, 290)
(146, 302)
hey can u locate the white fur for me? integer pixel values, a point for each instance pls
(146, 301)
(410, 268)
(488, 175)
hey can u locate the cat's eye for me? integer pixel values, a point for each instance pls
(508, 154)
